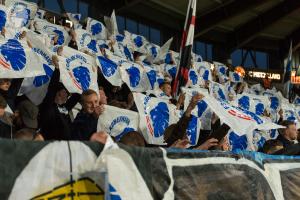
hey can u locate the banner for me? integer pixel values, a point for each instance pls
(19, 13)
(118, 122)
(110, 70)
(85, 171)
(135, 77)
(35, 88)
(77, 71)
(17, 60)
(52, 30)
(235, 116)
(155, 116)
(96, 28)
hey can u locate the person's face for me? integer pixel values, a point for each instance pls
(103, 97)
(62, 96)
(166, 88)
(5, 84)
(291, 132)
(90, 103)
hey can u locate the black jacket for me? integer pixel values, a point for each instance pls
(84, 126)
(6, 128)
(54, 124)
(11, 95)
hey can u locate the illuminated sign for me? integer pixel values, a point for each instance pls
(294, 78)
(256, 74)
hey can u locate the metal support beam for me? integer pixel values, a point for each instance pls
(251, 29)
(234, 8)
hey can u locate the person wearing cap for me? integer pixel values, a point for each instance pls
(6, 126)
(54, 118)
(9, 90)
(26, 116)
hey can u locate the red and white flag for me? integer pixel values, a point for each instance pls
(186, 48)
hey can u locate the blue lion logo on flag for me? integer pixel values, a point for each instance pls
(60, 35)
(192, 130)
(22, 13)
(152, 77)
(154, 52)
(274, 103)
(82, 76)
(96, 28)
(237, 142)
(134, 76)
(205, 75)
(168, 58)
(160, 118)
(138, 41)
(172, 72)
(14, 55)
(193, 77)
(108, 67)
(202, 106)
(244, 102)
(41, 80)
(93, 46)
(221, 94)
(236, 77)
(120, 38)
(2, 19)
(259, 109)
(222, 70)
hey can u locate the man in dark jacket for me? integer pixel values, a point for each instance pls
(6, 127)
(54, 119)
(85, 123)
(9, 90)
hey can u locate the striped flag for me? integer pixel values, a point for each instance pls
(186, 48)
(287, 72)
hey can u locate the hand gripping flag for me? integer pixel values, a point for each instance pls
(186, 48)
(17, 60)
(77, 71)
(96, 29)
(235, 116)
(118, 122)
(155, 116)
(19, 13)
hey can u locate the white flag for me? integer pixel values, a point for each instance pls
(155, 116)
(117, 122)
(17, 60)
(85, 41)
(241, 121)
(96, 28)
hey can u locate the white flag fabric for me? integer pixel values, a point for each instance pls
(96, 28)
(40, 14)
(52, 30)
(256, 89)
(118, 122)
(85, 41)
(74, 17)
(235, 116)
(204, 71)
(193, 78)
(77, 71)
(163, 50)
(289, 112)
(110, 70)
(19, 13)
(35, 88)
(135, 77)
(17, 60)
(155, 116)
(138, 42)
(218, 91)
(158, 93)
(201, 111)
(221, 70)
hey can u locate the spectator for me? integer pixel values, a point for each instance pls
(6, 126)
(54, 119)
(286, 139)
(9, 90)
(85, 123)
(166, 88)
(133, 138)
(26, 116)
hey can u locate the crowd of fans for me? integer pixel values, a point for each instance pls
(55, 119)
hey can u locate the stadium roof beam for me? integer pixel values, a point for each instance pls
(127, 5)
(209, 21)
(251, 29)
